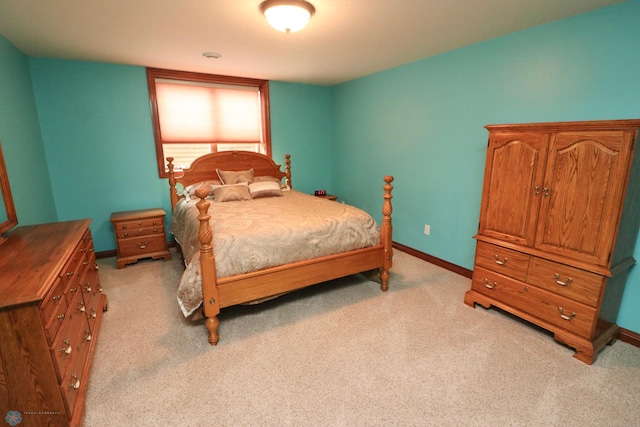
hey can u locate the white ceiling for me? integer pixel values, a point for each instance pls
(344, 40)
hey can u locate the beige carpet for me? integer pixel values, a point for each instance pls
(344, 354)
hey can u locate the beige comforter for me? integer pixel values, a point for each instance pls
(267, 232)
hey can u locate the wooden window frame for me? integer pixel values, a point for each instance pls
(156, 73)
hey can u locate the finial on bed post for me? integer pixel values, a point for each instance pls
(172, 182)
(211, 303)
(385, 233)
(287, 169)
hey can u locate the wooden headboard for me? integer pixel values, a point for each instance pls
(204, 168)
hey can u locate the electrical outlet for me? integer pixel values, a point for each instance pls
(427, 229)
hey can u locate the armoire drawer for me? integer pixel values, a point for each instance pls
(570, 282)
(577, 318)
(505, 261)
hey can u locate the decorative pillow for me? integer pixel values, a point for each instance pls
(268, 178)
(231, 193)
(190, 191)
(265, 189)
(235, 177)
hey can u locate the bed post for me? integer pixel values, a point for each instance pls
(386, 233)
(211, 302)
(287, 168)
(172, 183)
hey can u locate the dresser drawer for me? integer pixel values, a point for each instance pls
(75, 378)
(141, 246)
(137, 232)
(505, 261)
(139, 223)
(552, 308)
(579, 285)
(65, 344)
(52, 309)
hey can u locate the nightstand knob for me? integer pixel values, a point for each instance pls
(124, 226)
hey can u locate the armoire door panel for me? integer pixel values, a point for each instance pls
(512, 186)
(579, 210)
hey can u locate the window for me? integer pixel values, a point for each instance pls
(195, 114)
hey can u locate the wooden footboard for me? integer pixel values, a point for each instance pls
(228, 291)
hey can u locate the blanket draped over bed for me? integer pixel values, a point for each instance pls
(260, 233)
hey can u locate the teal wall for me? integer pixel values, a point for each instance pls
(98, 138)
(21, 141)
(301, 126)
(423, 122)
(89, 143)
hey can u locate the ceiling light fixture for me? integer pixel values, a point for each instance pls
(287, 16)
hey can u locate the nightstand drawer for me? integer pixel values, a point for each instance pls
(141, 246)
(135, 232)
(141, 223)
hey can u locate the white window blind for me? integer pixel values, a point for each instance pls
(195, 114)
(201, 112)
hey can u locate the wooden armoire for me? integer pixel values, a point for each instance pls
(558, 225)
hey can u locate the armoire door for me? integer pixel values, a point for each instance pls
(580, 208)
(513, 186)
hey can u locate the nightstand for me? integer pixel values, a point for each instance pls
(140, 234)
(329, 197)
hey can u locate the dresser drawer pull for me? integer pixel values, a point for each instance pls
(81, 307)
(56, 297)
(60, 317)
(87, 287)
(504, 260)
(124, 226)
(142, 245)
(490, 285)
(126, 234)
(154, 223)
(95, 266)
(73, 290)
(69, 274)
(93, 314)
(75, 385)
(560, 282)
(87, 336)
(564, 316)
(67, 349)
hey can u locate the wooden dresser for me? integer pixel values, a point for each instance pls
(51, 304)
(140, 234)
(558, 225)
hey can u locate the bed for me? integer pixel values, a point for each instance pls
(272, 242)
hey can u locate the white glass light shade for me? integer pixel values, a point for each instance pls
(287, 16)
